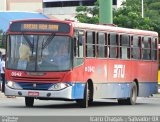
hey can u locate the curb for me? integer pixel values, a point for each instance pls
(2, 95)
(156, 95)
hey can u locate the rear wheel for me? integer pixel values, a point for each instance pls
(29, 101)
(133, 96)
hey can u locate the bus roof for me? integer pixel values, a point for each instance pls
(42, 20)
(114, 29)
(105, 28)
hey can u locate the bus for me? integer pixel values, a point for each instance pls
(66, 60)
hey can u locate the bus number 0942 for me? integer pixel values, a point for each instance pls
(16, 74)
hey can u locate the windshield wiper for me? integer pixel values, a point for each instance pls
(47, 42)
(28, 41)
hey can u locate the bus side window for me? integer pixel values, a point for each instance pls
(101, 44)
(113, 45)
(146, 48)
(135, 47)
(154, 49)
(90, 44)
(125, 46)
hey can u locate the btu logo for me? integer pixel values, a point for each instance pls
(119, 71)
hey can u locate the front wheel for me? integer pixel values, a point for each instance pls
(29, 101)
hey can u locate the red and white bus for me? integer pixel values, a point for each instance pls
(100, 61)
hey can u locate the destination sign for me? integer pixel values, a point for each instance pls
(51, 27)
(40, 26)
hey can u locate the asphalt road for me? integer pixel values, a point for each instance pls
(16, 107)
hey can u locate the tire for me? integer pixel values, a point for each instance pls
(29, 101)
(133, 96)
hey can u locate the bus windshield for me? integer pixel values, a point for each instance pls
(39, 52)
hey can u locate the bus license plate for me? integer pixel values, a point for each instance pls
(33, 94)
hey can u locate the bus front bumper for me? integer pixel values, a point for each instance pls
(67, 93)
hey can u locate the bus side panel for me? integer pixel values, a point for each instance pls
(120, 74)
(118, 81)
(154, 71)
(96, 70)
(119, 71)
(112, 90)
(147, 89)
(142, 72)
(111, 78)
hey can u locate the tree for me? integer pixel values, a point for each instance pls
(88, 14)
(128, 16)
(153, 12)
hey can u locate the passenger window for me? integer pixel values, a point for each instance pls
(135, 47)
(125, 46)
(154, 49)
(101, 44)
(90, 44)
(146, 48)
(113, 45)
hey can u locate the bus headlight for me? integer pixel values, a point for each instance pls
(59, 86)
(13, 85)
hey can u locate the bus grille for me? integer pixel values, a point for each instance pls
(35, 86)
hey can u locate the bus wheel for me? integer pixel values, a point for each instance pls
(133, 96)
(84, 102)
(29, 101)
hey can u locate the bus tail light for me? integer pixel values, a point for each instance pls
(59, 86)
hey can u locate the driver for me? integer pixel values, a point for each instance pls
(24, 51)
(61, 55)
